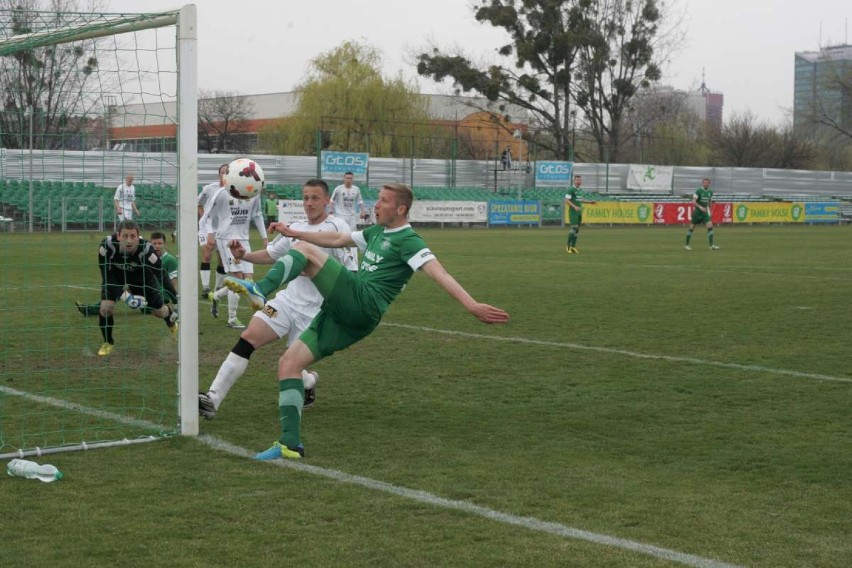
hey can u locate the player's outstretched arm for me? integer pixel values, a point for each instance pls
(483, 312)
(327, 239)
(260, 256)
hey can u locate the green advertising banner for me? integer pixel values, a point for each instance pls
(617, 212)
(776, 212)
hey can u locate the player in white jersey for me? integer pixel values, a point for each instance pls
(209, 244)
(230, 218)
(289, 313)
(125, 200)
(347, 203)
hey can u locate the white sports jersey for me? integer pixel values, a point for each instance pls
(206, 193)
(345, 200)
(125, 195)
(204, 199)
(242, 212)
(301, 294)
(217, 213)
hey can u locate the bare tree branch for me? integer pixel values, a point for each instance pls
(222, 118)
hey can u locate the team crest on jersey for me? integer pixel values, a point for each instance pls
(385, 244)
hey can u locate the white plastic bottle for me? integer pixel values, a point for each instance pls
(32, 470)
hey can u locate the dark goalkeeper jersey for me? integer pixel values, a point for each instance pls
(142, 267)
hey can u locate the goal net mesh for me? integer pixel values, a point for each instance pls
(88, 100)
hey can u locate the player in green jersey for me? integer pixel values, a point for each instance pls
(353, 301)
(168, 271)
(574, 204)
(702, 201)
(170, 267)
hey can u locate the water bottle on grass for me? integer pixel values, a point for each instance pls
(32, 470)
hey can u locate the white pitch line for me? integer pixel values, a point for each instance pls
(434, 500)
(626, 353)
(68, 405)
(531, 523)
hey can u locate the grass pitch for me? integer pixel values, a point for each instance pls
(698, 402)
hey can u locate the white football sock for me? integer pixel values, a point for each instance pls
(233, 302)
(309, 378)
(232, 368)
(205, 278)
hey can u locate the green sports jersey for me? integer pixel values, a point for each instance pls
(390, 258)
(170, 265)
(574, 194)
(703, 196)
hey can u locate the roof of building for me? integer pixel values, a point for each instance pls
(833, 53)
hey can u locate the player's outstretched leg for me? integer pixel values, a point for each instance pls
(248, 289)
(284, 270)
(88, 309)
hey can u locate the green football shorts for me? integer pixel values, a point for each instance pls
(575, 217)
(348, 314)
(699, 217)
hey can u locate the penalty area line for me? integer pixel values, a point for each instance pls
(626, 353)
(531, 523)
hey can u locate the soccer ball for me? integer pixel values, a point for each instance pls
(244, 179)
(135, 302)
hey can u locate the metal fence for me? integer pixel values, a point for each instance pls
(107, 169)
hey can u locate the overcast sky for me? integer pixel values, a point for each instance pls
(745, 47)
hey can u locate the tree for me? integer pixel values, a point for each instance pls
(615, 62)
(678, 143)
(355, 108)
(595, 53)
(546, 37)
(664, 129)
(746, 143)
(793, 150)
(223, 121)
(48, 85)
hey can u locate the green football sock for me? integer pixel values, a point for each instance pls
(291, 396)
(287, 268)
(688, 236)
(572, 237)
(710, 236)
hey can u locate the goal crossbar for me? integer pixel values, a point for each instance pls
(115, 26)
